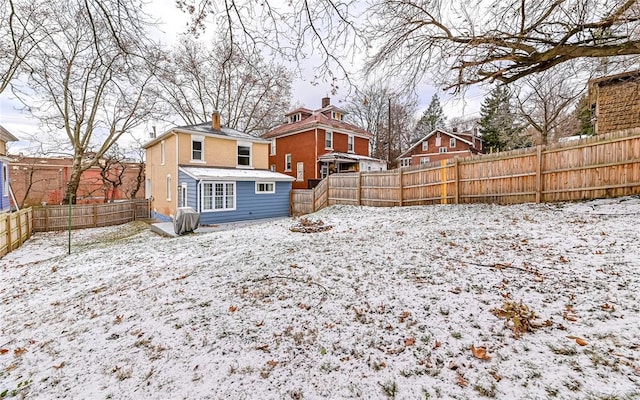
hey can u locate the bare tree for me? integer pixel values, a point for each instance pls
(20, 31)
(388, 115)
(461, 43)
(90, 78)
(547, 100)
(251, 93)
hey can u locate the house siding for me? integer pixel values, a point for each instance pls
(250, 206)
(5, 202)
(618, 106)
(192, 189)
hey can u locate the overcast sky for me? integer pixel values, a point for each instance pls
(304, 93)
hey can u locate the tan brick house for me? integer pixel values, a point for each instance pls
(615, 101)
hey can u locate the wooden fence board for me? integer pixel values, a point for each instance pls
(52, 218)
(600, 166)
(15, 229)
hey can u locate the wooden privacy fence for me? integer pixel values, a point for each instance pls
(600, 166)
(53, 218)
(15, 229)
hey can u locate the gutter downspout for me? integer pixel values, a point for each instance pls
(316, 160)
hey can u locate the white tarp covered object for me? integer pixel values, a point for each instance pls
(186, 220)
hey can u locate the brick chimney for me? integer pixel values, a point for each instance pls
(215, 120)
(326, 101)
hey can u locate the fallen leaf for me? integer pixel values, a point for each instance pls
(437, 344)
(495, 376)
(232, 308)
(403, 316)
(4, 351)
(409, 341)
(118, 319)
(480, 353)
(578, 340)
(272, 363)
(259, 324)
(460, 381)
(563, 259)
(59, 366)
(11, 367)
(19, 351)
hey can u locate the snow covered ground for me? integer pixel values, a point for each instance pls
(388, 303)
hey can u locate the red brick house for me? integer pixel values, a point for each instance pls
(615, 100)
(38, 180)
(441, 145)
(312, 144)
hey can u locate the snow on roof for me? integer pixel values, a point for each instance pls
(235, 174)
(335, 155)
(206, 129)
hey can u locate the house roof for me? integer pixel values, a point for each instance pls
(6, 136)
(205, 129)
(315, 120)
(338, 156)
(235, 174)
(452, 135)
(299, 110)
(613, 78)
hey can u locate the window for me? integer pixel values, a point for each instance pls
(424, 160)
(324, 171)
(443, 149)
(336, 115)
(300, 171)
(162, 153)
(273, 147)
(5, 180)
(328, 140)
(182, 195)
(452, 142)
(244, 155)
(438, 139)
(287, 162)
(197, 148)
(169, 187)
(425, 146)
(147, 188)
(272, 168)
(218, 196)
(294, 118)
(405, 162)
(265, 187)
(350, 143)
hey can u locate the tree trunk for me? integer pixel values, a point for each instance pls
(70, 195)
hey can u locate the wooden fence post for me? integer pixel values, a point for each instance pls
(135, 210)
(19, 214)
(443, 182)
(95, 215)
(539, 174)
(9, 236)
(400, 187)
(359, 187)
(457, 178)
(46, 218)
(313, 199)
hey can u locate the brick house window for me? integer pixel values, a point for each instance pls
(424, 160)
(328, 140)
(452, 142)
(443, 149)
(287, 162)
(425, 146)
(350, 143)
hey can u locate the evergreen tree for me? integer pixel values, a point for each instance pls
(584, 115)
(498, 122)
(432, 118)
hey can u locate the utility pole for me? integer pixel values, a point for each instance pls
(389, 135)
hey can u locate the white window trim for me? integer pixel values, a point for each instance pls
(273, 147)
(213, 194)
(163, 157)
(452, 142)
(273, 190)
(425, 146)
(442, 150)
(288, 156)
(331, 140)
(250, 146)
(351, 142)
(298, 164)
(183, 194)
(169, 187)
(425, 160)
(197, 138)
